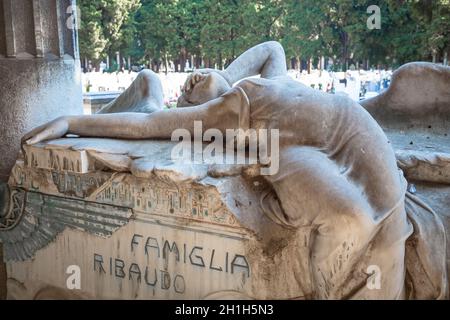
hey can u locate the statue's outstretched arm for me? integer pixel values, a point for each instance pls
(225, 112)
(267, 59)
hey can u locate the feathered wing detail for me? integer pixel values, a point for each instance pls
(34, 220)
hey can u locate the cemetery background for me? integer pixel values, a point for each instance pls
(333, 39)
(99, 88)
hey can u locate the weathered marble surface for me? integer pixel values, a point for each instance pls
(40, 70)
(438, 196)
(2, 275)
(415, 114)
(188, 236)
(207, 234)
(418, 98)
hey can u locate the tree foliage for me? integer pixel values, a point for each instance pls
(214, 32)
(106, 26)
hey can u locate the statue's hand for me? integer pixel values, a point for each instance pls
(51, 130)
(194, 78)
(200, 75)
(201, 86)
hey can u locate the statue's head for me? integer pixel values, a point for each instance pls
(200, 88)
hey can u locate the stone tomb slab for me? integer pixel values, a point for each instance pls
(141, 226)
(152, 230)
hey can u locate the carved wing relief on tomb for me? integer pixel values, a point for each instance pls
(34, 220)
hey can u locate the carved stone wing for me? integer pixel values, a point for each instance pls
(34, 220)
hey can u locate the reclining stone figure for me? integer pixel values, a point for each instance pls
(337, 170)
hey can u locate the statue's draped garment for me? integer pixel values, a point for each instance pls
(338, 174)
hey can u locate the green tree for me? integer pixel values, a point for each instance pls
(92, 40)
(106, 26)
(212, 33)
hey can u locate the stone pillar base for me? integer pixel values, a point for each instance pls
(33, 92)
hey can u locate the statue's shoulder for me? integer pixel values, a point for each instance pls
(258, 85)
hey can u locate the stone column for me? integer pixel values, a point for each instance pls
(39, 71)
